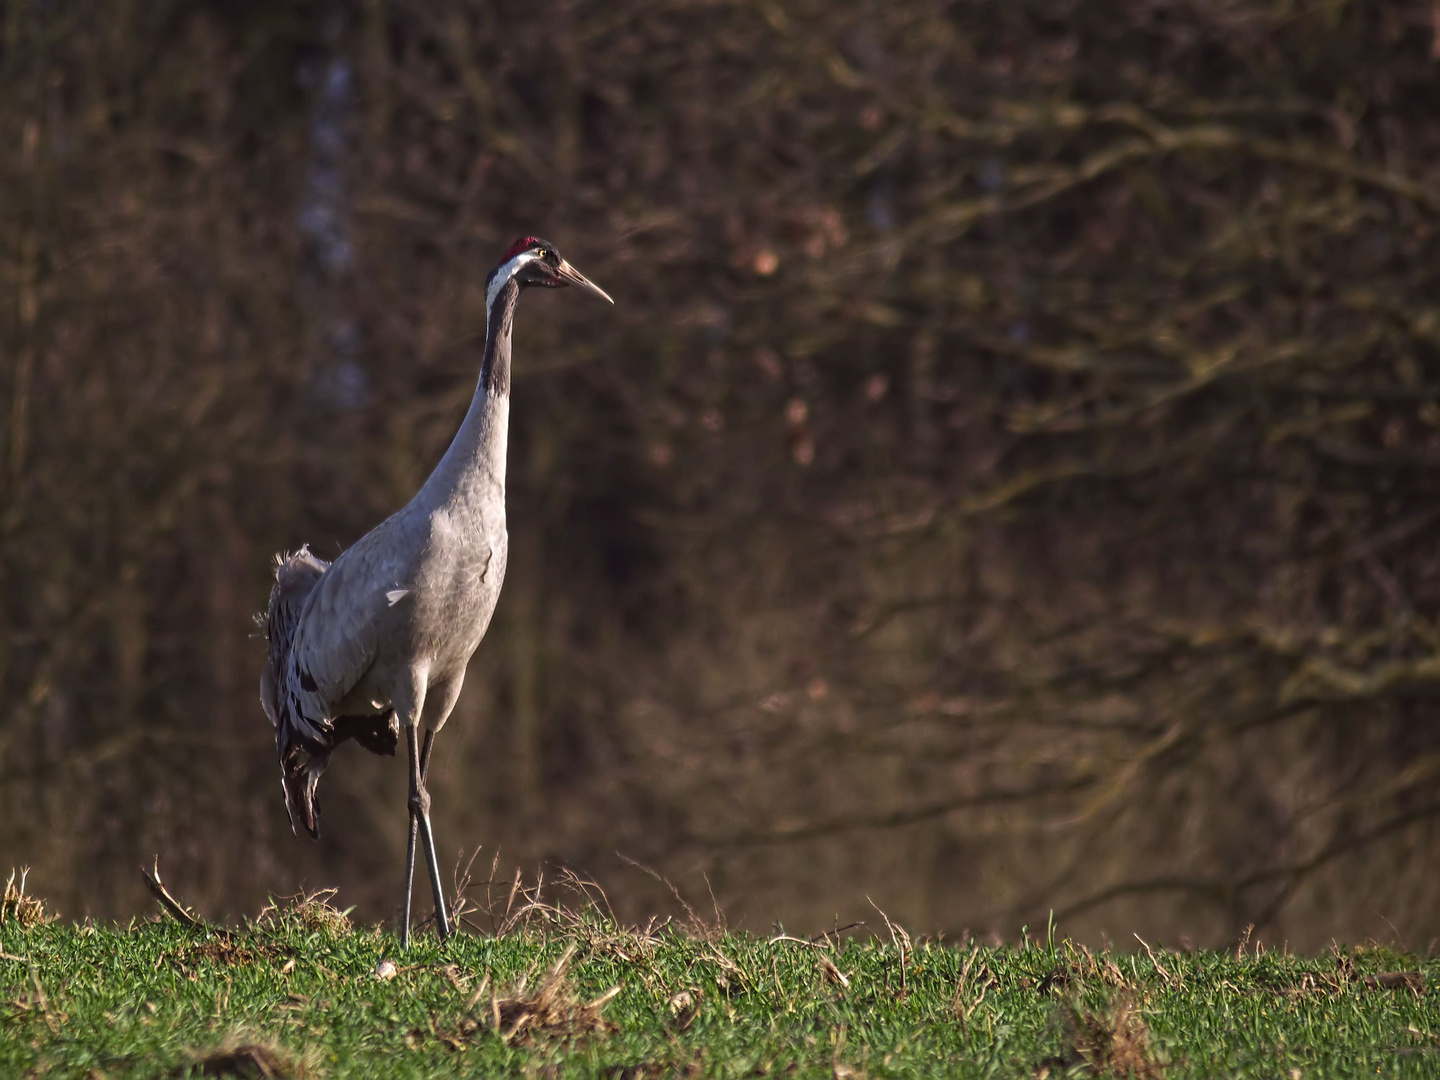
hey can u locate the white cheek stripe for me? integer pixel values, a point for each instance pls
(504, 274)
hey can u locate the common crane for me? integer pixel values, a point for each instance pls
(378, 640)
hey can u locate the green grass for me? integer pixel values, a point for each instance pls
(157, 998)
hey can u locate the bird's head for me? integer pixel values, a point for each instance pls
(532, 261)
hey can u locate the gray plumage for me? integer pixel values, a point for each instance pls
(380, 638)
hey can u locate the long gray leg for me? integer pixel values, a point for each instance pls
(414, 834)
(442, 920)
(414, 839)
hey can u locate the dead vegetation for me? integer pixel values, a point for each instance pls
(550, 1010)
(224, 951)
(1414, 981)
(310, 910)
(246, 1058)
(1113, 1042)
(525, 1013)
(19, 907)
(1346, 977)
(572, 906)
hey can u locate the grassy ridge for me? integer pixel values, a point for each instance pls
(298, 994)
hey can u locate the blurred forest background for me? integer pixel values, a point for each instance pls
(1009, 479)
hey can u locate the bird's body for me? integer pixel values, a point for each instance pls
(402, 611)
(380, 638)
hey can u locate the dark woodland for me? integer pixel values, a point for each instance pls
(1008, 482)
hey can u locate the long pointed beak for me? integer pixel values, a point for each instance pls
(571, 276)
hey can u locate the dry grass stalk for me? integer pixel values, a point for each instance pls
(833, 973)
(828, 967)
(1159, 967)
(1244, 943)
(524, 904)
(983, 976)
(591, 922)
(313, 911)
(551, 1011)
(20, 907)
(1088, 967)
(706, 930)
(900, 938)
(731, 973)
(461, 905)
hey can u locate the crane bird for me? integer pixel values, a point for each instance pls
(378, 640)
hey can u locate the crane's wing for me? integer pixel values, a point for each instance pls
(335, 641)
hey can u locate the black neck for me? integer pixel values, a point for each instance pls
(495, 367)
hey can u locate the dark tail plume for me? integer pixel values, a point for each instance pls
(302, 758)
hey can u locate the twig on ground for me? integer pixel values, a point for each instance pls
(827, 934)
(1169, 982)
(162, 894)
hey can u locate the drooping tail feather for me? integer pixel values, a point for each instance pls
(303, 764)
(303, 755)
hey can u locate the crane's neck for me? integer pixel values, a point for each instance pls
(495, 365)
(472, 472)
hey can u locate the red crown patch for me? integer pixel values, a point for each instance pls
(519, 246)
